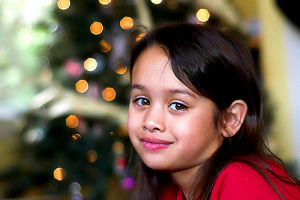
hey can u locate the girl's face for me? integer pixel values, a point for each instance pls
(170, 126)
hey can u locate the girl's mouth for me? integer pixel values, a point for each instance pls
(154, 143)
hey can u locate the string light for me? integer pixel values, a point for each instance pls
(92, 156)
(59, 174)
(96, 28)
(139, 37)
(126, 23)
(81, 86)
(121, 68)
(90, 64)
(109, 94)
(72, 121)
(105, 46)
(76, 136)
(104, 2)
(63, 4)
(156, 1)
(203, 15)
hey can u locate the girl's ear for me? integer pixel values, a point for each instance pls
(234, 118)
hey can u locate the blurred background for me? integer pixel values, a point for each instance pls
(64, 86)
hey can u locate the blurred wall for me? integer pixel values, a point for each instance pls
(280, 57)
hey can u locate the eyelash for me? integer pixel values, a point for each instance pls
(140, 100)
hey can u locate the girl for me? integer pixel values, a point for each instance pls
(194, 118)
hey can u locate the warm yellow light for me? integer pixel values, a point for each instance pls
(59, 174)
(156, 1)
(126, 23)
(90, 64)
(122, 130)
(111, 133)
(139, 37)
(72, 121)
(92, 156)
(104, 2)
(203, 15)
(121, 68)
(81, 86)
(63, 4)
(105, 46)
(76, 136)
(96, 28)
(109, 94)
(118, 147)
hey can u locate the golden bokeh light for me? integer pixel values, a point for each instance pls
(96, 28)
(92, 156)
(118, 148)
(122, 130)
(139, 37)
(59, 174)
(72, 121)
(126, 23)
(76, 136)
(104, 2)
(203, 15)
(109, 94)
(156, 1)
(81, 86)
(63, 4)
(111, 133)
(105, 46)
(121, 68)
(90, 64)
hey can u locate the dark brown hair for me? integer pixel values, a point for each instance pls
(221, 69)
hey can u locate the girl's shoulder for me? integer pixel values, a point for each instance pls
(254, 179)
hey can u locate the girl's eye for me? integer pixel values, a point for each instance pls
(142, 101)
(178, 106)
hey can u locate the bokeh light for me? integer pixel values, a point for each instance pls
(105, 46)
(72, 67)
(109, 94)
(76, 136)
(63, 4)
(81, 86)
(118, 148)
(121, 68)
(126, 23)
(122, 130)
(72, 121)
(128, 183)
(156, 1)
(139, 37)
(203, 15)
(90, 64)
(59, 174)
(96, 28)
(92, 156)
(104, 2)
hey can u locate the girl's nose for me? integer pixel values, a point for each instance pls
(154, 121)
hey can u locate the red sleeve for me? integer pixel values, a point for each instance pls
(239, 181)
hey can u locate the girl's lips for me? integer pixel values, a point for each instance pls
(154, 143)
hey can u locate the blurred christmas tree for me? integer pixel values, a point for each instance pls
(75, 143)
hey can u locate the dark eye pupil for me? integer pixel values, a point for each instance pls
(179, 106)
(144, 102)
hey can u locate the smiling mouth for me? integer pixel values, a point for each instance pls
(155, 144)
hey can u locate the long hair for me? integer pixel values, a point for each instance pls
(215, 66)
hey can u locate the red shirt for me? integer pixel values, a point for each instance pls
(239, 181)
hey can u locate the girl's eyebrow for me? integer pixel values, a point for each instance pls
(180, 91)
(137, 86)
(170, 91)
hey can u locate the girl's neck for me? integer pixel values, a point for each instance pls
(184, 179)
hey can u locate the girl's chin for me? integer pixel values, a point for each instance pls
(157, 165)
